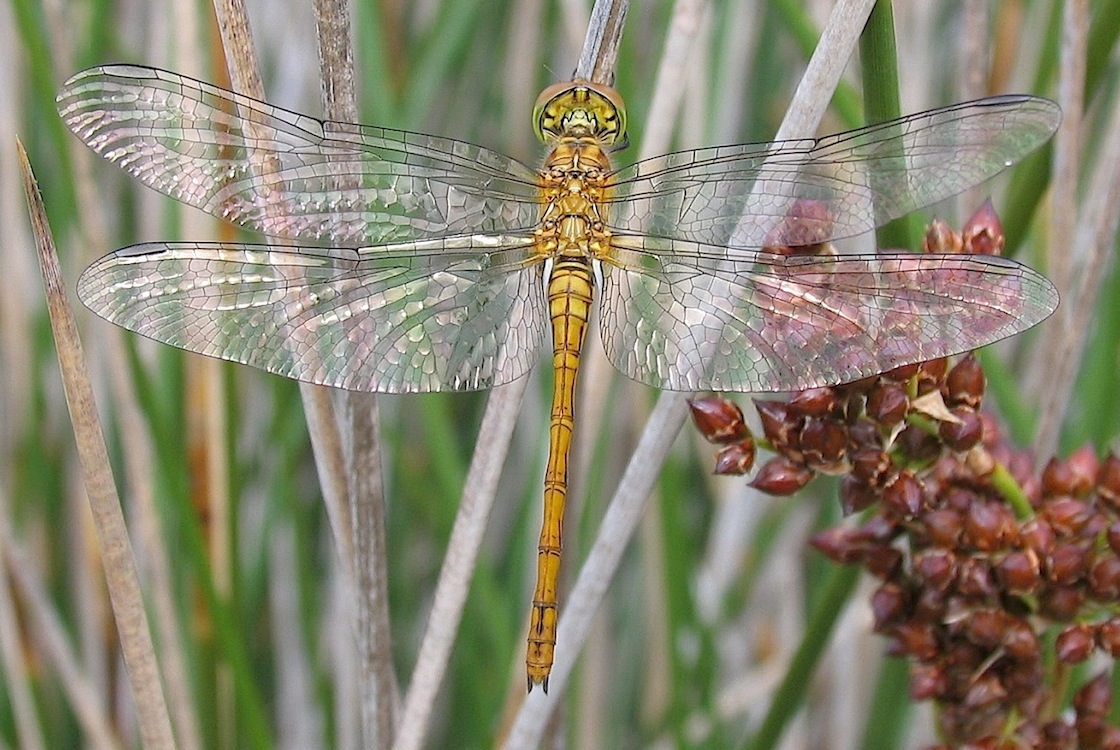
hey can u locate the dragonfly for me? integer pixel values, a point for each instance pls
(407, 263)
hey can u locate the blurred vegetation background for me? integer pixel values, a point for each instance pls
(214, 463)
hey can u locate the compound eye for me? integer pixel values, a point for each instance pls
(594, 108)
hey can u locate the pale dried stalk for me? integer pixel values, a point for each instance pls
(810, 101)
(1096, 232)
(14, 659)
(357, 454)
(1057, 373)
(479, 490)
(322, 427)
(298, 720)
(975, 54)
(112, 533)
(378, 694)
(138, 462)
(1067, 156)
(377, 683)
(49, 635)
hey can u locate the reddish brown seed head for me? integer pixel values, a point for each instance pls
(1075, 643)
(941, 239)
(736, 459)
(718, 419)
(982, 234)
(965, 383)
(781, 477)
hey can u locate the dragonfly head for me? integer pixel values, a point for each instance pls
(580, 109)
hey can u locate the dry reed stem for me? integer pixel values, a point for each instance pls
(973, 68)
(379, 697)
(1096, 232)
(112, 533)
(14, 659)
(364, 546)
(1063, 215)
(49, 634)
(152, 552)
(322, 426)
(458, 566)
(1067, 151)
(298, 721)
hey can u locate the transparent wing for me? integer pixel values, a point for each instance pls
(688, 317)
(288, 175)
(440, 315)
(814, 190)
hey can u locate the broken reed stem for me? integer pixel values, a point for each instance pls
(121, 578)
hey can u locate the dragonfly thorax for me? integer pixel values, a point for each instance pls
(580, 109)
(575, 186)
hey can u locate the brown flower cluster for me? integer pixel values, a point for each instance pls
(995, 582)
(977, 557)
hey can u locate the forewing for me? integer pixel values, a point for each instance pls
(686, 317)
(288, 175)
(808, 191)
(450, 315)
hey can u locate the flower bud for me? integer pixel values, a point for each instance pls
(781, 477)
(940, 239)
(903, 495)
(1019, 571)
(927, 681)
(855, 495)
(985, 690)
(1108, 636)
(1073, 476)
(870, 465)
(982, 234)
(1104, 579)
(985, 627)
(1108, 481)
(1094, 698)
(736, 459)
(778, 424)
(718, 419)
(1020, 641)
(975, 579)
(840, 544)
(964, 433)
(1066, 515)
(1061, 603)
(944, 527)
(1067, 563)
(918, 639)
(965, 383)
(989, 525)
(935, 568)
(814, 402)
(889, 605)
(887, 403)
(1074, 644)
(824, 443)
(1037, 536)
(931, 374)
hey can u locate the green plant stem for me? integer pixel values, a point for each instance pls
(879, 69)
(1012, 492)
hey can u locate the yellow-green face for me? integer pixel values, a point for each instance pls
(580, 109)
